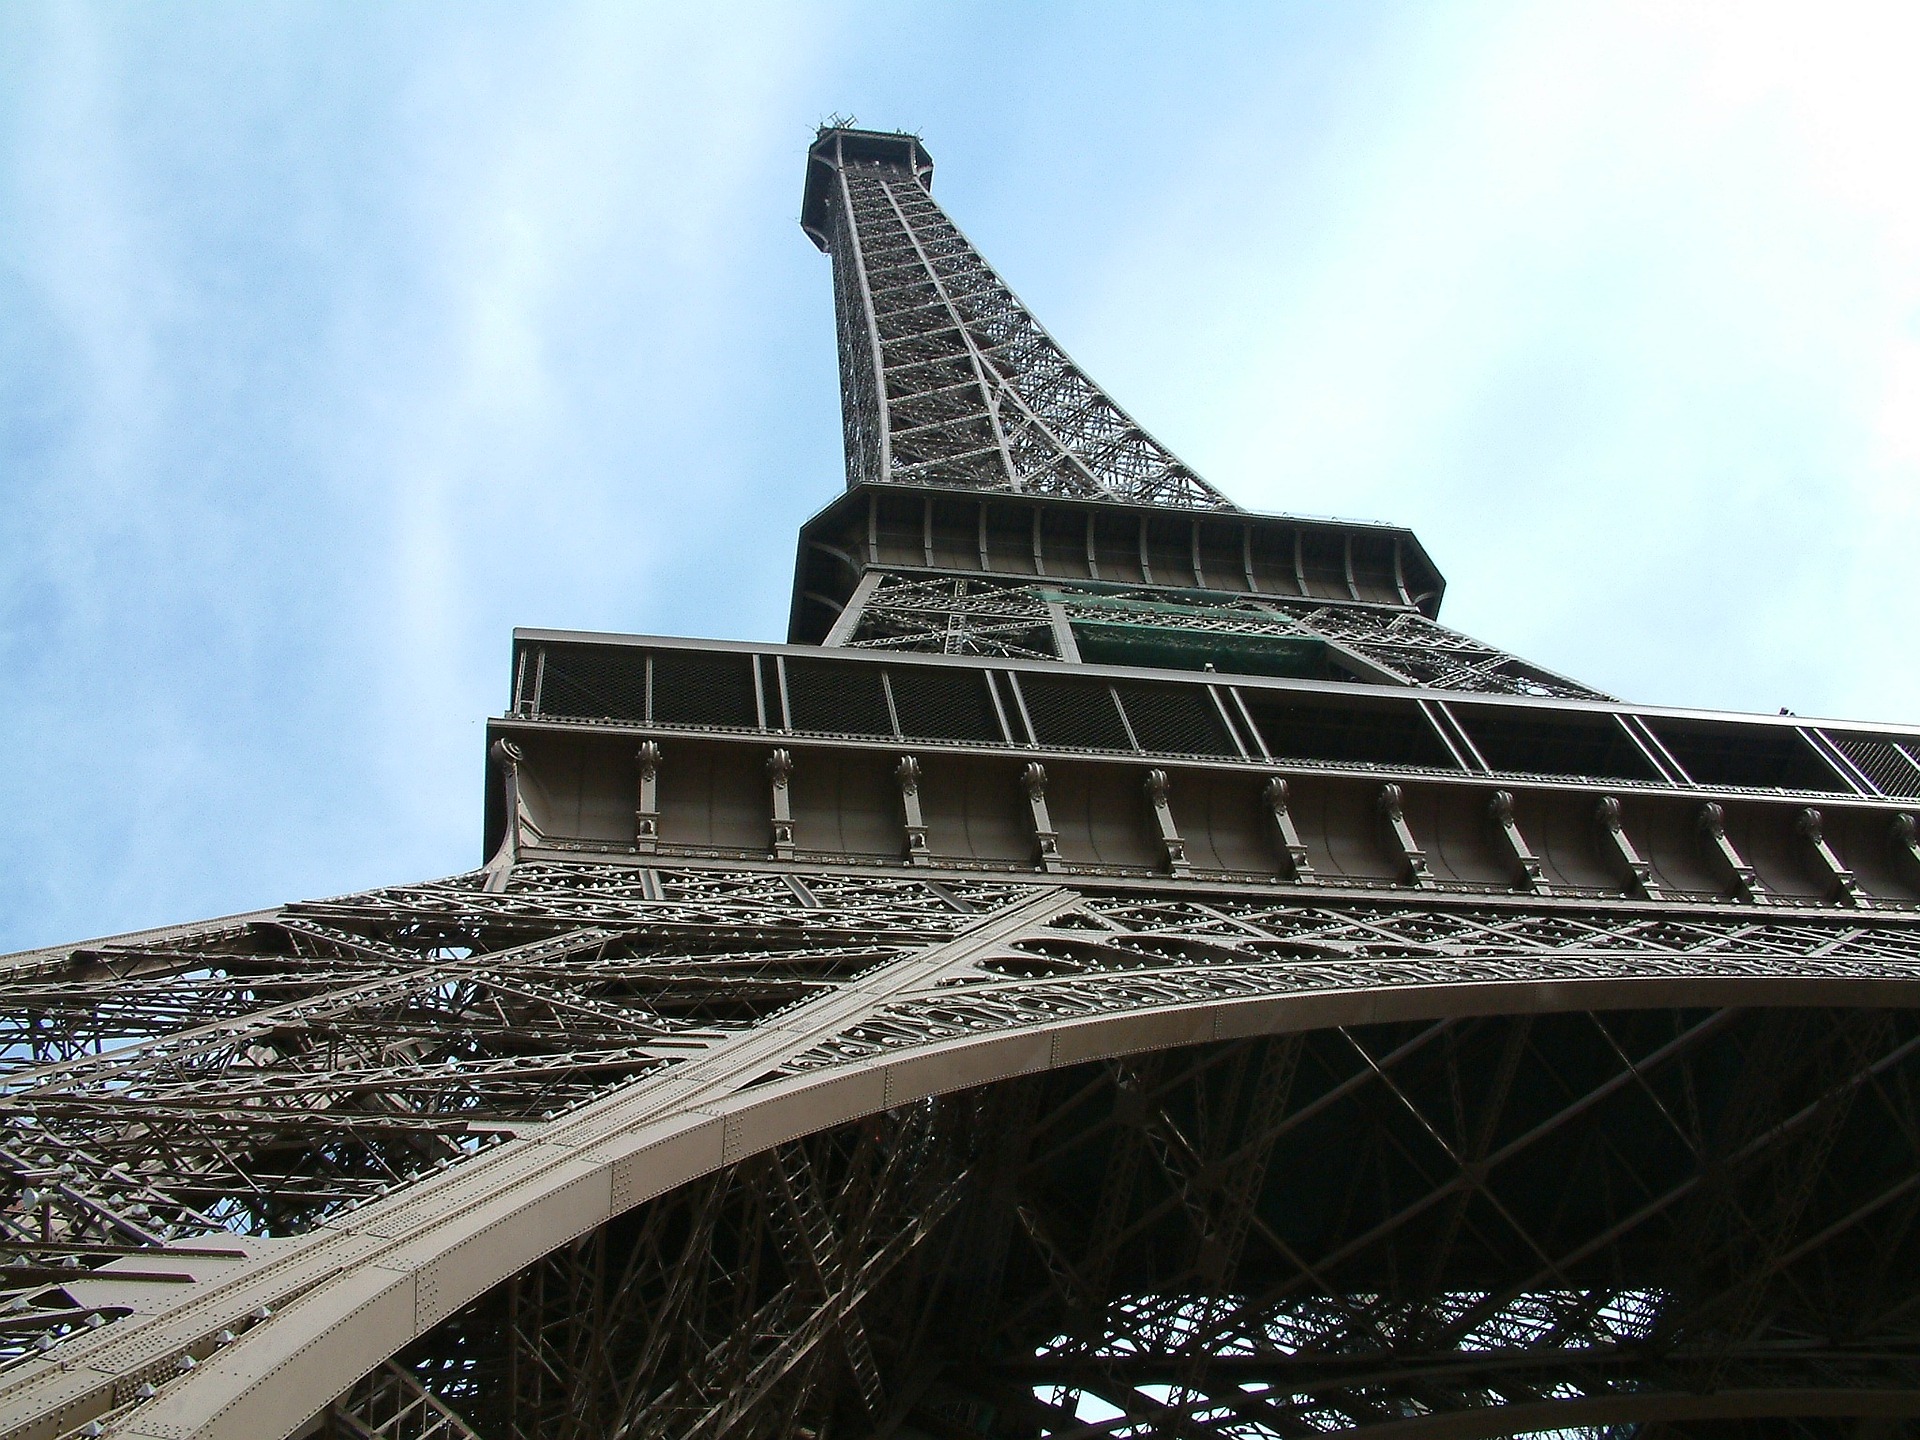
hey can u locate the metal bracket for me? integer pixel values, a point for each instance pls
(500, 868)
(1294, 864)
(1842, 889)
(1712, 821)
(907, 772)
(780, 771)
(1618, 846)
(1170, 841)
(1532, 874)
(646, 814)
(1046, 840)
(1393, 810)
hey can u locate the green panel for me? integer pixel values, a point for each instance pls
(1107, 643)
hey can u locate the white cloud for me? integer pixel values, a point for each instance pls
(1615, 304)
(352, 347)
(565, 204)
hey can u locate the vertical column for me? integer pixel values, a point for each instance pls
(1712, 821)
(848, 620)
(646, 813)
(1046, 840)
(907, 772)
(1500, 810)
(1064, 644)
(1905, 836)
(1617, 846)
(500, 868)
(1393, 811)
(780, 771)
(1842, 889)
(1294, 864)
(1174, 848)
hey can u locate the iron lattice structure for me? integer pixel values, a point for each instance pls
(949, 615)
(946, 379)
(1123, 968)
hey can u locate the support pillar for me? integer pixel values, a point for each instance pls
(780, 771)
(1618, 847)
(1294, 864)
(1905, 835)
(1842, 889)
(500, 868)
(1532, 876)
(1712, 821)
(646, 814)
(1046, 840)
(1064, 645)
(1174, 848)
(907, 772)
(847, 622)
(1393, 810)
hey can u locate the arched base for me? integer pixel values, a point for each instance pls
(1459, 1227)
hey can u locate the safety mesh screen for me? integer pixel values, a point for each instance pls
(837, 698)
(1177, 719)
(944, 704)
(690, 688)
(1750, 756)
(594, 683)
(1593, 746)
(1079, 714)
(1299, 729)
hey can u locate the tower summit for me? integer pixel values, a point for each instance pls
(1122, 967)
(945, 379)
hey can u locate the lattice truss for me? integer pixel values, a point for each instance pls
(259, 1078)
(1566, 1219)
(947, 380)
(966, 616)
(1117, 954)
(956, 616)
(1424, 652)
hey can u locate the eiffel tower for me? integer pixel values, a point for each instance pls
(1122, 968)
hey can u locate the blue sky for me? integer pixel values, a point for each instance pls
(336, 340)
